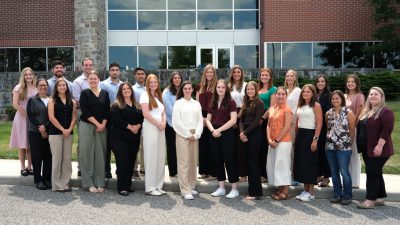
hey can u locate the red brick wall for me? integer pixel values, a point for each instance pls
(34, 23)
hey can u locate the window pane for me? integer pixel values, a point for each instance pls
(214, 4)
(224, 57)
(181, 57)
(247, 56)
(122, 20)
(354, 55)
(389, 60)
(274, 55)
(246, 20)
(181, 4)
(246, 4)
(206, 57)
(296, 55)
(327, 55)
(214, 20)
(34, 58)
(153, 57)
(65, 54)
(121, 4)
(151, 4)
(9, 60)
(152, 20)
(181, 20)
(125, 56)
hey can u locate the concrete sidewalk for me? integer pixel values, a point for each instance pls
(10, 175)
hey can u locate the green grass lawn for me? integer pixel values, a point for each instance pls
(391, 167)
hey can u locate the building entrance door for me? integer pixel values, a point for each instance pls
(220, 56)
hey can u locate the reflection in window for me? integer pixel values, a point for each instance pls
(389, 60)
(153, 57)
(206, 57)
(296, 55)
(181, 4)
(181, 57)
(246, 4)
(224, 58)
(246, 20)
(274, 55)
(213, 4)
(214, 20)
(246, 56)
(125, 56)
(65, 54)
(152, 20)
(34, 58)
(121, 4)
(151, 4)
(327, 55)
(181, 20)
(9, 60)
(125, 20)
(354, 55)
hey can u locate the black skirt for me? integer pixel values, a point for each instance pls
(305, 163)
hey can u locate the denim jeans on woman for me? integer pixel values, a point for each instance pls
(339, 164)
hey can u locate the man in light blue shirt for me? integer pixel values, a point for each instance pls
(111, 85)
(58, 73)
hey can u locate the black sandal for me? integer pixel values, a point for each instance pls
(24, 173)
(30, 172)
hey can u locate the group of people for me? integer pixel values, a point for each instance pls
(250, 131)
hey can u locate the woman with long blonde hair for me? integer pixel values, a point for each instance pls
(25, 89)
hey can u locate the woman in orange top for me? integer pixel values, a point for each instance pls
(280, 145)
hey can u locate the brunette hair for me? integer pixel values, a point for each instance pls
(327, 90)
(179, 94)
(171, 86)
(68, 96)
(341, 96)
(270, 82)
(302, 102)
(231, 81)
(120, 100)
(356, 80)
(249, 105)
(225, 101)
(157, 92)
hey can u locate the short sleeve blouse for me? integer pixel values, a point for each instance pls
(156, 113)
(223, 114)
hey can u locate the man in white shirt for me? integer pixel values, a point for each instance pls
(80, 84)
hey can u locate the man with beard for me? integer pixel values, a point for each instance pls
(58, 73)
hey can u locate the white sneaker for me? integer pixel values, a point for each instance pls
(154, 193)
(233, 194)
(298, 197)
(161, 191)
(307, 197)
(188, 197)
(194, 192)
(219, 192)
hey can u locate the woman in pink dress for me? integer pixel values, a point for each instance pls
(25, 89)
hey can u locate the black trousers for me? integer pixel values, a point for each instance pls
(375, 183)
(170, 137)
(41, 157)
(252, 148)
(224, 156)
(323, 165)
(206, 165)
(125, 152)
(262, 159)
(241, 153)
(107, 164)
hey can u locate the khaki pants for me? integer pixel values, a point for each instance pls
(93, 147)
(186, 155)
(61, 148)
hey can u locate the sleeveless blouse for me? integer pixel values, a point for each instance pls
(63, 114)
(306, 117)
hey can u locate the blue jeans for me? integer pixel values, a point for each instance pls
(339, 164)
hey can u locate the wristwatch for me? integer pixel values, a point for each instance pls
(315, 138)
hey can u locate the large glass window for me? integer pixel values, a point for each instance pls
(354, 55)
(122, 20)
(214, 4)
(246, 4)
(181, 20)
(274, 55)
(296, 55)
(153, 57)
(247, 56)
(121, 4)
(152, 20)
(151, 4)
(65, 54)
(246, 19)
(181, 4)
(181, 57)
(214, 20)
(125, 56)
(327, 55)
(9, 60)
(34, 58)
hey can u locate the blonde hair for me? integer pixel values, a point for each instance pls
(369, 111)
(157, 92)
(23, 86)
(203, 82)
(296, 81)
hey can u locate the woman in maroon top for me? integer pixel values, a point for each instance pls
(220, 119)
(204, 95)
(376, 122)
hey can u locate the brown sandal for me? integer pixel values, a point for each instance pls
(281, 196)
(275, 195)
(324, 182)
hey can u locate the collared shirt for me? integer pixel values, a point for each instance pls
(79, 84)
(111, 88)
(169, 101)
(138, 90)
(52, 82)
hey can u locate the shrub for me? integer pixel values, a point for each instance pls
(10, 111)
